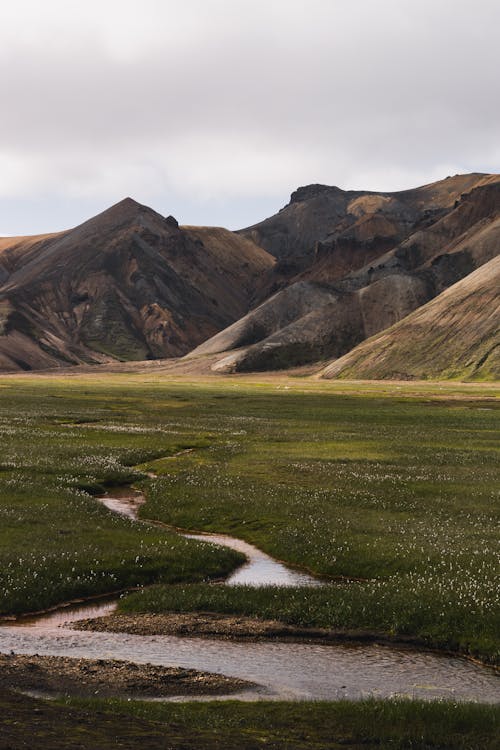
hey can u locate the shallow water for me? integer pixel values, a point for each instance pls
(292, 671)
(124, 500)
(260, 569)
(283, 670)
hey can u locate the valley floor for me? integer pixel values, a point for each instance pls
(387, 489)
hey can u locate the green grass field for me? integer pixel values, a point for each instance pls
(56, 541)
(364, 725)
(393, 485)
(399, 725)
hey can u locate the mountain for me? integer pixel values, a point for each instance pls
(128, 284)
(325, 232)
(456, 335)
(358, 282)
(328, 271)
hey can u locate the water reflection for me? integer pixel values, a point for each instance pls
(260, 569)
(284, 670)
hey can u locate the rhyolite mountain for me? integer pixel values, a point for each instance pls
(328, 271)
(455, 335)
(128, 284)
(326, 232)
(377, 258)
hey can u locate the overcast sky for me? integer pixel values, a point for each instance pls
(215, 110)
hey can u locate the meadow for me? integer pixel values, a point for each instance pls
(398, 724)
(390, 492)
(57, 542)
(363, 725)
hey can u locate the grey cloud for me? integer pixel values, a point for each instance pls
(216, 105)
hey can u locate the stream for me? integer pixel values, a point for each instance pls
(283, 670)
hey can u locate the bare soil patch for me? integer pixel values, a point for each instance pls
(206, 624)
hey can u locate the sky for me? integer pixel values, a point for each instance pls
(216, 110)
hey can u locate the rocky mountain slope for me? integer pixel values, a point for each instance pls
(330, 270)
(325, 232)
(439, 234)
(127, 284)
(456, 335)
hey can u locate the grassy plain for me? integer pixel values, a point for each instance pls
(395, 485)
(56, 541)
(399, 725)
(317, 725)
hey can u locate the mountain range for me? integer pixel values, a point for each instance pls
(378, 284)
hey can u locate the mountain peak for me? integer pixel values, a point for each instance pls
(126, 211)
(306, 192)
(125, 206)
(128, 201)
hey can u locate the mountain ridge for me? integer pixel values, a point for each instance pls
(345, 309)
(455, 335)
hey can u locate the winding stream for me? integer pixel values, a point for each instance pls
(259, 570)
(291, 671)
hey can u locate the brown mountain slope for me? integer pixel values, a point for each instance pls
(322, 322)
(16, 251)
(313, 319)
(325, 233)
(127, 284)
(456, 335)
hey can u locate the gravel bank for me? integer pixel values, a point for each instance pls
(206, 624)
(105, 678)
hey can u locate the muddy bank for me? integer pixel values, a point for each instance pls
(229, 627)
(191, 624)
(58, 675)
(241, 628)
